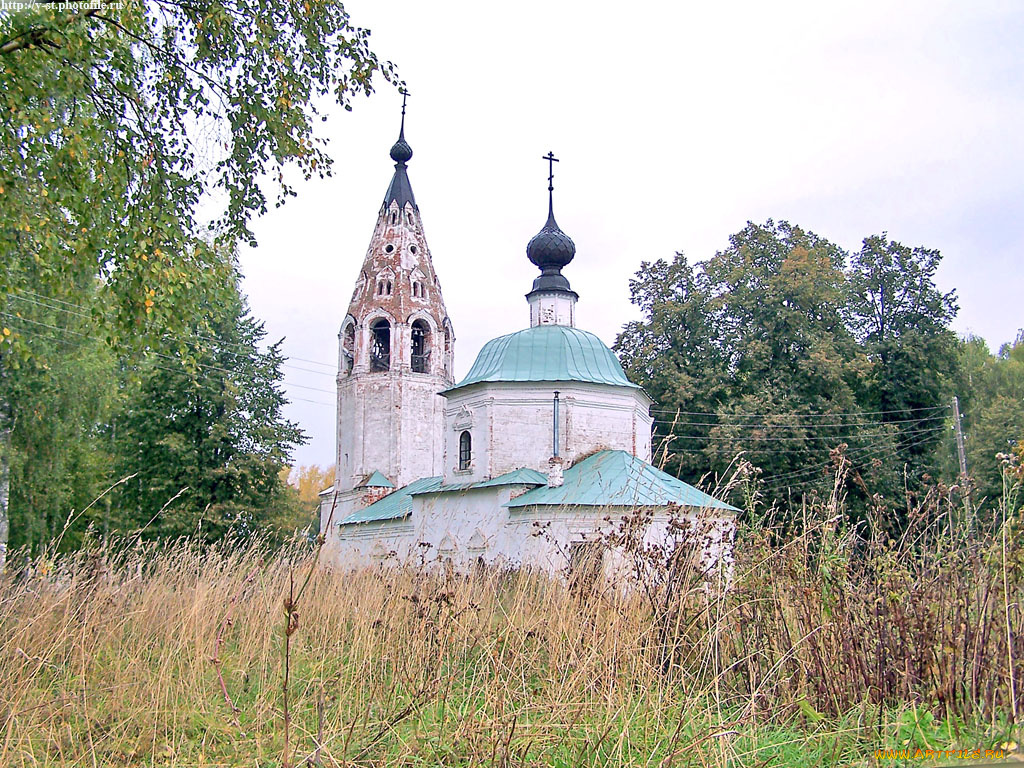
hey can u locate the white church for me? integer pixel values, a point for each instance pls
(533, 460)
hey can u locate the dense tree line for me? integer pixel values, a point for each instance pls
(786, 349)
(137, 141)
(189, 431)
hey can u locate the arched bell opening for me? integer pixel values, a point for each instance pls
(420, 347)
(380, 345)
(348, 348)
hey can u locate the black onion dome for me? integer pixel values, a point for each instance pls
(551, 247)
(401, 152)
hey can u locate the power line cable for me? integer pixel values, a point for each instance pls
(206, 366)
(65, 340)
(753, 425)
(862, 453)
(790, 451)
(785, 438)
(799, 415)
(813, 481)
(227, 345)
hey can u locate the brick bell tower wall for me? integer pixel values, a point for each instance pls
(396, 352)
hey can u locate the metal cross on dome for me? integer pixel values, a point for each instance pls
(550, 157)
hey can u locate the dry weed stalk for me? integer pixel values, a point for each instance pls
(406, 667)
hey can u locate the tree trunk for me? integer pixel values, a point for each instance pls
(5, 475)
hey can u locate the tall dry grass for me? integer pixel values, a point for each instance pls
(819, 653)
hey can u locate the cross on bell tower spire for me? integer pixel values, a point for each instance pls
(401, 131)
(400, 190)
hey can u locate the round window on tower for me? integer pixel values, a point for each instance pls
(412, 249)
(389, 248)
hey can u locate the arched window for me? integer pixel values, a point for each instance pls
(348, 346)
(420, 347)
(465, 449)
(380, 345)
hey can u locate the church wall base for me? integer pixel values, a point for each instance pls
(472, 529)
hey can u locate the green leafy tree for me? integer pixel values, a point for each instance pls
(902, 320)
(753, 351)
(298, 506)
(65, 390)
(206, 440)
(993, 411)
(138, 139)
(677, 355)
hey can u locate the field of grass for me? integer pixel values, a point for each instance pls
(826, 649)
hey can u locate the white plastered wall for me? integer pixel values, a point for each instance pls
(512, 425)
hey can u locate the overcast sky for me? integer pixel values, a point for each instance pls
(675, 124)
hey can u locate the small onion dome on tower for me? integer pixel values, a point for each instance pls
(551, 249)
(401, 152)
(400, 190)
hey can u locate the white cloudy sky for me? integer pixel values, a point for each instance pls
(675, 123)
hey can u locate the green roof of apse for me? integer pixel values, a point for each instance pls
(546, 353)
(618, 479)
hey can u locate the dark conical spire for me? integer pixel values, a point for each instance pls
(400, 190)
(551, 249)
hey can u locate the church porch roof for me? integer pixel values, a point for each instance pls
(522, 476)
(394, 506)
(398, 505)
(618, 479)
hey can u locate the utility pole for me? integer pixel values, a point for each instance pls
(959, 436)
(968, 518)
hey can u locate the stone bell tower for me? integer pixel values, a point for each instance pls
(396, 350)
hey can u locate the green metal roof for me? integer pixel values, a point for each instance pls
(617, 479)
(523, 476)
(376, 480)
(394, 506)
(546, 353)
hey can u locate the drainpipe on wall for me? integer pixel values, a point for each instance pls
(554, 428)
(555, 462)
